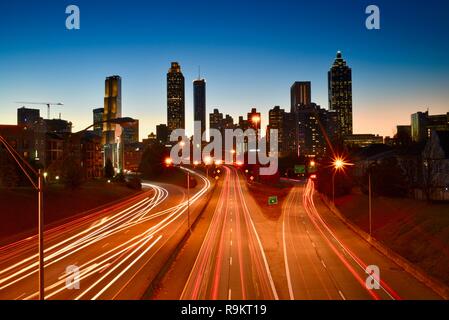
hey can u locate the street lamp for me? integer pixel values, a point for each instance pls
(338, 164)
(207, 162)
(40, 208)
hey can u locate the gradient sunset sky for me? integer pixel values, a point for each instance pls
(250, 52)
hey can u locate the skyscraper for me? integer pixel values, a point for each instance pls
(340, 95)
(131, 133)
(276, 120)
(112, 132)
(162, 133)
(300, 94)
(112, 106)
(175, 98)
(216, 120)
(199, 102)
(98, 118)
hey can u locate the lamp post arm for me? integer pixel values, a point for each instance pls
(16, 158)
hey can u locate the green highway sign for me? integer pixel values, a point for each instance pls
(300, 168)
(272, 200)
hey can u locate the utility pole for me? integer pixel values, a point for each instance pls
(188, 201)
(369, 201)
(41, 236)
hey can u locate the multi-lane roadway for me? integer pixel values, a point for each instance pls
(231, 263)
(105, 255)
(119, 250)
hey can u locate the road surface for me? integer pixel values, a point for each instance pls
(108, 252)
(231, 263)
(324, 259)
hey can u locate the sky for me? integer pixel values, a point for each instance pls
(250, 52)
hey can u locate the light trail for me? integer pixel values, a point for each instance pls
(320, 224)
(216, 272)
(139, 214)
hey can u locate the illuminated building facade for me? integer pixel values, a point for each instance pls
(340, 95)
(175, 98)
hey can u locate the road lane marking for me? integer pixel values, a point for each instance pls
(21, 296)
(341, 295)
(229, 294)
(230, 261)
(105, 245)
(231, 243)
(270, 278)
(324, 265)
(287, 268)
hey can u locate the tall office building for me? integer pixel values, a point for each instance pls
(98, 119)
(311, 138)
(175, 98)
(422, 125)
(162, 135)
(216, 120)
(112, 132)
(340, 94)
(276, 121)
(300, 94)
(131, 133)
(27, 117)
(199, 102)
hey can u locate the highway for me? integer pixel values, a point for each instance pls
(324, 259)
(114, 249)
(231, 263)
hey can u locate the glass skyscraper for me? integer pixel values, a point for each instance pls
(175, 98)
(340, 95)
(199, 102)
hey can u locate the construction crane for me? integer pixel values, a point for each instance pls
(48, 104)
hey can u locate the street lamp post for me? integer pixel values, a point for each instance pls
(41, 235)
(188, 201)
(40, 194)
(339, 164)
(40, 208)
(369, 202)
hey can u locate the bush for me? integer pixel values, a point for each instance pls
(109, 169)
(72, 174)
(152, 163)
(134, 183)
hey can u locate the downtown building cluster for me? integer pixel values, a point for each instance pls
(306, 130)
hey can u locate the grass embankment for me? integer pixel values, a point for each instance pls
(417, 230)
(18, 206)
(261, 192)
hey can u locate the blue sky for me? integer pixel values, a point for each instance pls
(250, 52)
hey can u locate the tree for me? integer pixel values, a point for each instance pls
(108, 169)
(387, 178)
(152, 163)
(72, 174)
(9, 175)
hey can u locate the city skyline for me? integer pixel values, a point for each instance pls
(418, 76)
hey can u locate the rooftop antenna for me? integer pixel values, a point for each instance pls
(199, 72)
